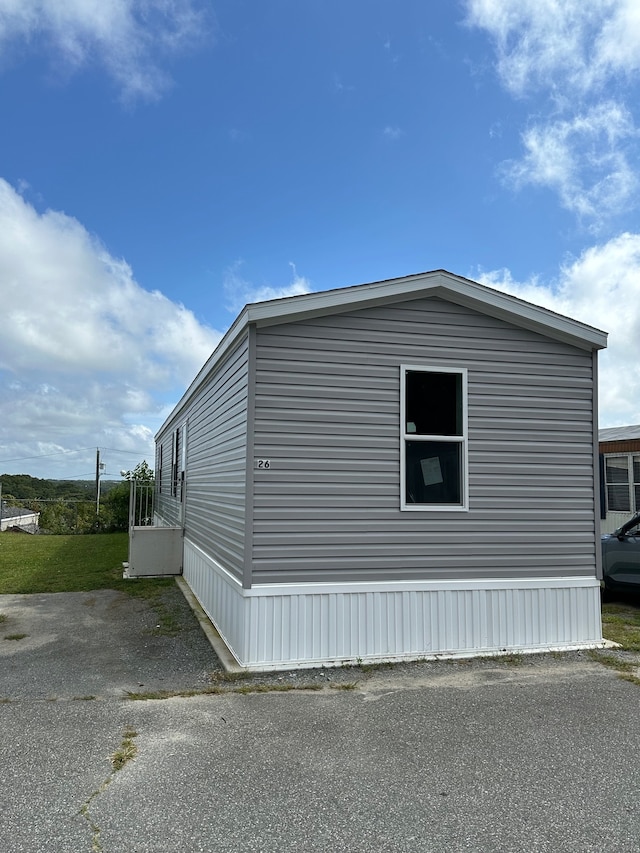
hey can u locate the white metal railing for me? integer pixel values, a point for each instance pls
(141, 501)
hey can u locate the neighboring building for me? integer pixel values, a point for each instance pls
(620, 449)
(14, 516)
(394, 470)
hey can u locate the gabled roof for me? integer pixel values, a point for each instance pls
(437, 283)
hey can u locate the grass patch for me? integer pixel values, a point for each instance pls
(348, 685)
(607, 659)
(30, 564)
(226, 677)
(3, 618)
(627, 670)
(218, 690)
(630, 676)
(621, 623)
(126, 751)
(512, 659)
(15, 636)
(168, 625)
(273, 688)
(151, 695)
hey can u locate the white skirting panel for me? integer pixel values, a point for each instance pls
(284, 626)
(219, 593)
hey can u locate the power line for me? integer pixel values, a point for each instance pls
(43, 455)
(89, 476)
(66, 452)
(116, 450)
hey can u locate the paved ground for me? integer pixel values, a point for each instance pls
(488, 756)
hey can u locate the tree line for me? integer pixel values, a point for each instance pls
(69, 506)
(24, 487)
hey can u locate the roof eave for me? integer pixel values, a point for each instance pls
(434, 283)
(437, 283)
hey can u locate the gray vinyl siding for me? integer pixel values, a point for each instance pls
(327, 417)
(216, 439)
(216, 463)
(166, 506)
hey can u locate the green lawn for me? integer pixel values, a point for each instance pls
(621, 623)
(67, 564)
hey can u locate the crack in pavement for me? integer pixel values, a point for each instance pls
(126, 752)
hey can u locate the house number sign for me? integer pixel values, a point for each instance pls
(263, 463)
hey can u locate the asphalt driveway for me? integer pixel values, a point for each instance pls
(539, 755)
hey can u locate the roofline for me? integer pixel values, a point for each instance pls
(451, 287)
(630, 432)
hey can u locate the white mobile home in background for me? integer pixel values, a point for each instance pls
(18, 518)
(393, 470)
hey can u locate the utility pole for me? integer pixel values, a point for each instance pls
(99, 469)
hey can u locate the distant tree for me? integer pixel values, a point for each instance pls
(142, 473)
(24, 487)
(58, 517)
(68, 506)
(114, 512)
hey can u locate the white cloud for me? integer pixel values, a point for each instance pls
(240, 292)
(568, 46)
(600, 288)
(339, 86)
(87, 356)
(392, 132)
(582, 158)
(582, 144)
(126, 37)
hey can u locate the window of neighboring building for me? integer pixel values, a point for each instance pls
(622, 481)
(433, 451)
(159, 468)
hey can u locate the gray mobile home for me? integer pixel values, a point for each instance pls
(389, 471)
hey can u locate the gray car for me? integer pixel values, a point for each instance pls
(621, 556)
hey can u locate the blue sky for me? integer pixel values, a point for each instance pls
(162, 162)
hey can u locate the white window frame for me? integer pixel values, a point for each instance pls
(630, 484)
(463, 440)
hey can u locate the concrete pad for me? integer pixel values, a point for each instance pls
(534, 754)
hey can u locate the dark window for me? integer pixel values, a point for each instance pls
(433, 438)
(175, 464)
(434, 403)
(617, 478)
